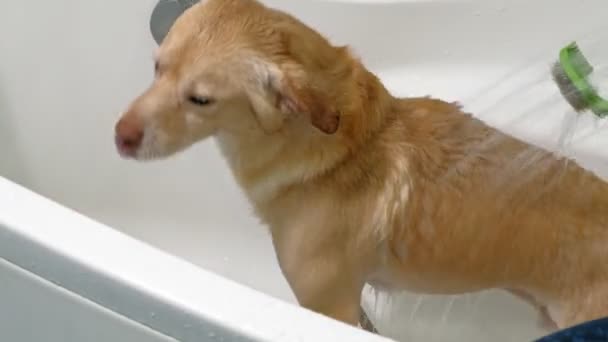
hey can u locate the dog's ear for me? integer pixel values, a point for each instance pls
(280, 94)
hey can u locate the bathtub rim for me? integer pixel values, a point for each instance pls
(150, 287)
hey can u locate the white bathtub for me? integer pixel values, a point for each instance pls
(67, 68)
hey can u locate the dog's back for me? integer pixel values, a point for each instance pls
(487, 210)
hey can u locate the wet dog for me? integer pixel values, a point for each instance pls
(358, 186)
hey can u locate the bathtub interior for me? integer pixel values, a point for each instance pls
(64, 80)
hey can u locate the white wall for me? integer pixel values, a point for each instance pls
(67, 68)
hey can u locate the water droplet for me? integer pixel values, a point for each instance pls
(211, 335)
(152, 314)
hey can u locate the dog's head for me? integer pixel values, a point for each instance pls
(234, 65)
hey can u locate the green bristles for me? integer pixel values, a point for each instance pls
(571, 75)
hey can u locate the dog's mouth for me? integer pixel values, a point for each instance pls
(142, 155)
(149, 150)
(126, 148)
(137, 153)
(139, 144)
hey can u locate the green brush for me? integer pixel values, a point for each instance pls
(571, 73)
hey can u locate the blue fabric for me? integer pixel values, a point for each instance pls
(594, 331)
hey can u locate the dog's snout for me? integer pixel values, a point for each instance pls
(129, 135)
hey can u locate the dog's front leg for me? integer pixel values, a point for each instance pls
(326, 284)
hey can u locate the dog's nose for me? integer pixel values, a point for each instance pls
(129, 135)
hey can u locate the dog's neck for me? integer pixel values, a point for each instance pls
(266, 164)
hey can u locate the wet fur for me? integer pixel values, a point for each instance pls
(358, 186)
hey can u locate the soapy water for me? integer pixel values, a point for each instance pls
(527, 105)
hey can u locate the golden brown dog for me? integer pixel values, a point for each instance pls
(359, 186)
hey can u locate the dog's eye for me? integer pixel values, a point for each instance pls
(200, 100)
